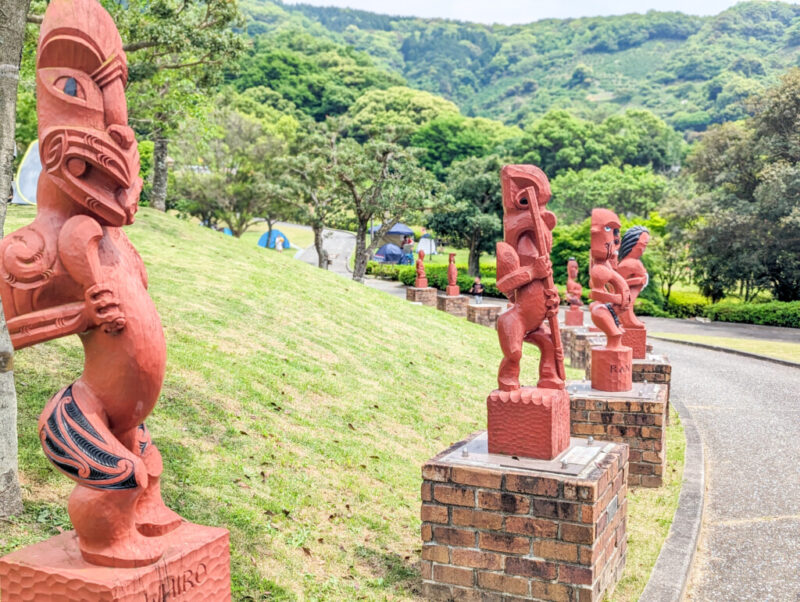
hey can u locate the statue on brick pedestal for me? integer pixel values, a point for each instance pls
(528, 421)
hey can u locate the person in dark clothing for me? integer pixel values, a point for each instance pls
(477, 290)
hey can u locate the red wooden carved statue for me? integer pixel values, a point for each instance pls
(421, 281)
(574, 315)
(611, 365)
(528, 421)
(631, 268)
(452, 277)
(74, 271)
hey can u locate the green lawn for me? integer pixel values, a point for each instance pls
(298, 236)
(297, 411)
(777, 349)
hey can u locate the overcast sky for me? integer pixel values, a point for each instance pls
(523, 11)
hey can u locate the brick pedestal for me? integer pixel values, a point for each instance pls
(426, 296)
(654, 369)
(194, 568)
(578, 343)
(456, 305)
(638, 418)
(493, 532)
(483, 314)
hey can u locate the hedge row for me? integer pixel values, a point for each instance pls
(772, 313)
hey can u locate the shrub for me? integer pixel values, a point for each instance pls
(645, 307)
(686, 304)
(773, 313)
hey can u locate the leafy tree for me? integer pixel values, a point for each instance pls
(638, 137)
(380, 180)
(399, 109)
(627, 191)
(474, 219)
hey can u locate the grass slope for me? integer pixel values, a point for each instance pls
(297, 410)
(781, 350)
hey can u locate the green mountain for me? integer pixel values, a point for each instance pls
(692, 71)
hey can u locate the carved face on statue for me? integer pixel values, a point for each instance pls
(605, 235)
(524, 184)
(86, 146)
(572, 269)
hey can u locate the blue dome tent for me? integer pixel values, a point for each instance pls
(262, 242)
(395, 235)
(389, 253)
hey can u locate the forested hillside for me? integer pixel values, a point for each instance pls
(691, 71)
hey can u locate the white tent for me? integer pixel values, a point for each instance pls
(428, 244)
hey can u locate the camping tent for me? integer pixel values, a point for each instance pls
(389, 253)
(28, 176)
(427, 244)
(262, 242)
(395, 235)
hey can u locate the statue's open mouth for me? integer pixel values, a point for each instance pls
(96, 172)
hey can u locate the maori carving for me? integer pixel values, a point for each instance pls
(73, 271)
(421, 281)
(574, 315)
(631, 268)
(611, 365)
(530, 421)
(452, 277)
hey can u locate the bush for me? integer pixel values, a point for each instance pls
(773, 313)
(686, 304)
(645, 307)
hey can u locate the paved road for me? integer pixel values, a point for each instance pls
(339, 246)
(748, 414)
(722, 329)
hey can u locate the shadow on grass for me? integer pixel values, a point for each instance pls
(392, 570)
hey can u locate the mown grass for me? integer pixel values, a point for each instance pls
(778, 349)
(298, 236)
(297, 409)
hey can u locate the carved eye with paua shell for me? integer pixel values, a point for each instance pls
(71, 87)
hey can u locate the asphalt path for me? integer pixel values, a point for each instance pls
(748, 415)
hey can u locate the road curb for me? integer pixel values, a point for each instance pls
(756, 356)
(673, 567)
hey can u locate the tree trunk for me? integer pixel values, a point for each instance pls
(269, 233)
(12, 37)
(321, 262)
(360, 265)
(158, 195)
(474, 255)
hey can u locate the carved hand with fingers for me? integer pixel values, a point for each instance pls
(103, 308)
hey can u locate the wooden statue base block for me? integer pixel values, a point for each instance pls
(637, 417)
(485, 315)
(455, 306)
(194, 568)
(426, 296)
(529, 422)
(497, 528)
(573, 316)
(612, 369)
(636, 339)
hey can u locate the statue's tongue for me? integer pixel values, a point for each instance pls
(527, 248)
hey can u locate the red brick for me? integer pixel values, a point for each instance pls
(565, 552)
(641, 468)
(574, 574)
(590, 555)
(477, 559)
(502, 542)
(436, 472)
(559, 510)
(433, 514)
(550, 591)
(654, 457)
(503, 583)
(507, 502)
(652, 481)
(427, 491)
(426, 569)
(536, 527)
(436, 553)
(454, 537)
(478, 477)
(526, 567)
(453, 575)
(651, 433)
(456, 496)
(465, 517)
(577, 533)
(536, 485)
(427, 533)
